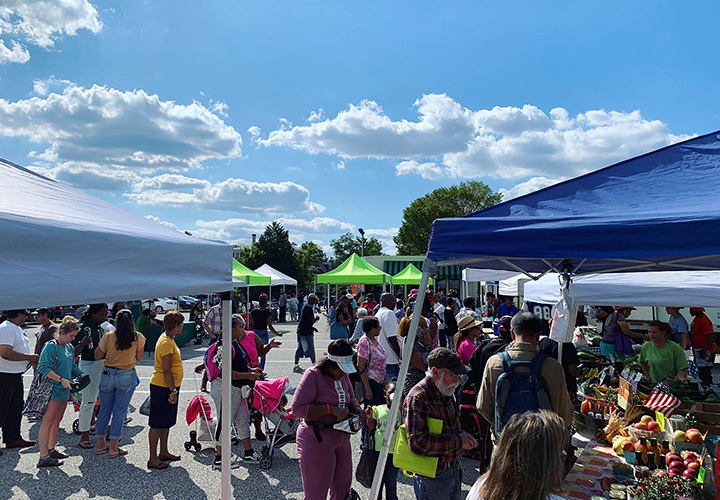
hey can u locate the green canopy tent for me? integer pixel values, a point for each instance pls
(411, 275)
(354, 270)
(250, 277)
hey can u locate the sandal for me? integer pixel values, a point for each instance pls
(58, 454)
(85, 445)
(159, 466)
(100, 452)
(49, 462)
(120, 453)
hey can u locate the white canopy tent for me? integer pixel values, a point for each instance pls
(60, 246)
(482, 276)
(276, 277)
(513, 287)
(662, 288)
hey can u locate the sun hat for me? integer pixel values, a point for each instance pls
(343, 355)
(467, 322)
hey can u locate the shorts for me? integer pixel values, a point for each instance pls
(163, 414)
(305, 346)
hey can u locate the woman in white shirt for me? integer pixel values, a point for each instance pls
(528, 462)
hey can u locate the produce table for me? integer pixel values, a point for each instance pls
(594, 463)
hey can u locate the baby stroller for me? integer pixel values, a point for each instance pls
(269, 399)
(199, 411)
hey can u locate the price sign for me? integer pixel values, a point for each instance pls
(660, 419)
(701, 475)
(624, 394)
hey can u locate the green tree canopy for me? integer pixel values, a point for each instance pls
(347, 244)
(277, 249)
(454, 201)
(251, 256)
(309, 258)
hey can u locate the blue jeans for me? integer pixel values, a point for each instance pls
(116, 390)
(263, 335)
(391, 371)
(442, 339)
(445, 486)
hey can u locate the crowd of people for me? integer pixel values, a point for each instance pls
(464, 394)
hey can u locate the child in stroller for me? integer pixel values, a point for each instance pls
(269, 399)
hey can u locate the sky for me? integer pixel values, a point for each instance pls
(220, 117)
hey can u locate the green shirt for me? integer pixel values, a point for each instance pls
(381, 414)
(142, 323)
(665, 362)
(95, 332)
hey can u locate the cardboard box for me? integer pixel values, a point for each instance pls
(707, 407)
(707, 417)
(711, 429)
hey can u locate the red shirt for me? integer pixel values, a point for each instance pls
(700, 329)
(369, 306)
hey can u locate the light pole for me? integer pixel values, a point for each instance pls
(362, 242)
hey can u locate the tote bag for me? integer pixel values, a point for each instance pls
(411, 463)
(40, 392)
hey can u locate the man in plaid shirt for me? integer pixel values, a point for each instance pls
(433, 397)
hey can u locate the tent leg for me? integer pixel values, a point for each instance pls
(226, 490)
(428, 265)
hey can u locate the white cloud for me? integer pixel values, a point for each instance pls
(233, 195)
(340, 165)
(529, 186)
(219, 107)
(255, 133)
(41, 23)
(42, 87)
(236, 227)
(428, 170)
(316, 116)
(163, 222)
(101, 129)
(450, 140)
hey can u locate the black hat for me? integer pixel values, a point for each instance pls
(442, 357)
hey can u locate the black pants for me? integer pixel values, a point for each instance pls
(11, 396)
(283, 311)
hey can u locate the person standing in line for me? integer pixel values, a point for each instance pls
(212, 324)
(164, 390)
(440, 313)
(47, 329)
(87, 339)
(306, 333)
(389, 338)
(14, 358)
(616, 334)
(468, 310)
(468, 332)
(433, 398)
(377, 418)
(282, 304)
(293, 307)
(121, 349)
(57, 363)
(260, 321)
(358, 333)
(369, 303)
(703, 343)
(451, 326)
(143, 321)
(679, 326)
(371, 358)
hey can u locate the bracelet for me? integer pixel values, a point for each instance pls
(327, 411)
(174, 392)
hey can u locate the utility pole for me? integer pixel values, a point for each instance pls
(362, 242)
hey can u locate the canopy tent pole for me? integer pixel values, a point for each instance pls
(328, 298)
(226, 397)
(428, 266)
(405, 294)
(567, 270)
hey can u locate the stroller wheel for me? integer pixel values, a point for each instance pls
(198, 447)
(76, 426)
(188, 445)
(265, 462)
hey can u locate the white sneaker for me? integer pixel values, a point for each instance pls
(234, 464)
(253, 459)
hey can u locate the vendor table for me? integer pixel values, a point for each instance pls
(594, 463)
(153, 332)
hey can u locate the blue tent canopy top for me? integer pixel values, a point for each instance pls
(656, 212)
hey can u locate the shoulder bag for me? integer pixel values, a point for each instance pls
(40, 391)
(411, 463)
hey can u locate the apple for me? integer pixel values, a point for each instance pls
(689, 461)
(677, 464)
(693, 466)
(675, 472)
(628, 446)
(645, 419)
(689, 474)
(679, 436)
(640, 426)
(671, 458)
(661, 473)
(688, 454)
(694, 436)
(653, 426)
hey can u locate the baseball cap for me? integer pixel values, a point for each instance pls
(344, 362)
(442, 357)
(349, 296)
(504, 324)
(467, 322)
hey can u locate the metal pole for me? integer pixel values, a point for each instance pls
(428, 265)
(567, 270)
(226, 396)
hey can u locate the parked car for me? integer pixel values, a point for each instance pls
(160, 305)
(187, 302)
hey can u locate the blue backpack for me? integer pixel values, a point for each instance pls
(519, 391)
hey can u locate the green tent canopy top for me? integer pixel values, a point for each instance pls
(411, 275)
(355, 270)
(248, 275)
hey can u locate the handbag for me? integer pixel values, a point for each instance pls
(40, 392)
(365, 471)
(80, 382)
(411, 463)
(145, 407)
(338, 331)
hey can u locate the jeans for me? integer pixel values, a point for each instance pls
(11, 395)
(90, 393)
(263, 334)
(283, 314)
(389, 479)
(442, 338)
(445, 486)
(293, 313)
(116, 390)
(391, 371)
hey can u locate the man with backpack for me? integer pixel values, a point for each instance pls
(522, 379)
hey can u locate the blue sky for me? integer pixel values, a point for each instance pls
(221, 116)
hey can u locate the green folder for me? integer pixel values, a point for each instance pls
(411, 463)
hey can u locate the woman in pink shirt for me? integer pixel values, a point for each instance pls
(468, 331)
(323, 398)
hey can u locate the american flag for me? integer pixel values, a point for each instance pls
(660, 399)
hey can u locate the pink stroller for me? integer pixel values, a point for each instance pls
(269, 399)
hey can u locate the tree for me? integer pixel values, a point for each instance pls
(251, 256)
(279, 253)
(347, 244)
(454, 201)
(309, 258)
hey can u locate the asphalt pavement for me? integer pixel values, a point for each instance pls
(85, 475)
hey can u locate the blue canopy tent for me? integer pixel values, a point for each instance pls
(656, 212)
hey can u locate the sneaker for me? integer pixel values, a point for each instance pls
(297, 369)
(217, 464)
(253, 458)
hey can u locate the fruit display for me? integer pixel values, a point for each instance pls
(685, 464)
(693, 436)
